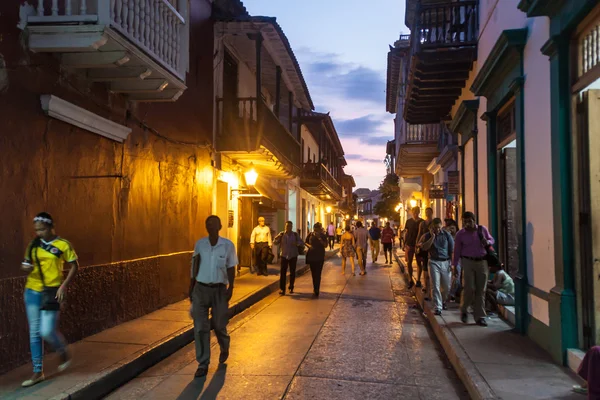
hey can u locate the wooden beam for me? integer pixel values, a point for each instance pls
(441, 76)
(433, 68)
(439, 92)
(118, 74)
(139, 86)
(277, 90)
(452, 55)
(106, 59)
(422, 84)
(165, 95)
(259, 39)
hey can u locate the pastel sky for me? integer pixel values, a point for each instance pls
(342, 48)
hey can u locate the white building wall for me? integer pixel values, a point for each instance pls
(538, 156)
(497, 16)
(309, 143)
(469, 195)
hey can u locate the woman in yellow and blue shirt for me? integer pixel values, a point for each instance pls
(45, 290)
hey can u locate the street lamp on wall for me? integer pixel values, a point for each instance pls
(251, 175)
(328, 209)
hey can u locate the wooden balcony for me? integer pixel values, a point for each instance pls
(318, 181)
(138, 47)
(419, 144)
(444, 47)
(249, 132)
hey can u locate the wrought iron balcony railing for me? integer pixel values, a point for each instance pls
(446, 24)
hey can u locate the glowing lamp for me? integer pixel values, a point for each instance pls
(251, 176)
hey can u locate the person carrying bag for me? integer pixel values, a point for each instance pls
(45, 290)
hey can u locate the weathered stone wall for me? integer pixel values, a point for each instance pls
(132, 211)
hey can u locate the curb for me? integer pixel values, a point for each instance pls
(466, 370)
(122, 372)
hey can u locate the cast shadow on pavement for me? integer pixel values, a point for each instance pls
(195, 387)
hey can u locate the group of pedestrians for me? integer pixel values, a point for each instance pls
(455, 263)
(213, 272)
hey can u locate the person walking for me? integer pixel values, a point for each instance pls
(45, 290)
(261, 242)
(316, 242)
(470, 250)
(338, 233)
(439, 245)
(361, 238)
(387, 239)
(331, 235)
(290, 241)
(412, 233)
(451, 227)
(421, 254)
(211, 288)
(348, 250)
(374, 236)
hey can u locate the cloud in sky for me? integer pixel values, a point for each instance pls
(362, 158)
(342, 51)
(326, 72)
(360, 126)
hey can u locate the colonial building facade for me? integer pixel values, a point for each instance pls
(515, 100)
(130, 134)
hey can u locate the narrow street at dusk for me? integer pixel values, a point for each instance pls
(176, 176)
(363, 338)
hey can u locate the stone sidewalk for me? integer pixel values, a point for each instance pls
(108, 359)
(495, 362)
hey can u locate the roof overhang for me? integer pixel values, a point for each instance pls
(278, 47)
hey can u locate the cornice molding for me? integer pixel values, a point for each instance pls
(466, 110)
(540, 8)
(508, 51)
(448, 155)
(68, 112)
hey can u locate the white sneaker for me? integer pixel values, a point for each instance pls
(65, 361)
(35, 379)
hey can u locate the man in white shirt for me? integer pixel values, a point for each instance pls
(261, 242)
(213, 272)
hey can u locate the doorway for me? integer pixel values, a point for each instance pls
(587, 145)
(508, 199)
(509, 205)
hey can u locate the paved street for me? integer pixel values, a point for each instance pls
(362, 339)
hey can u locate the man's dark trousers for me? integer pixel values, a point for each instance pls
(213, 297)
(260, 252)
(331, 240)
(284, 267)
(316, 268)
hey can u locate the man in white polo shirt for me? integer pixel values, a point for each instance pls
(211, 287)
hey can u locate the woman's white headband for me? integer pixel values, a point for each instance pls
(43, 219)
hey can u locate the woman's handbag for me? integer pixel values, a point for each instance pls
(49, 294)
(491, 256)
